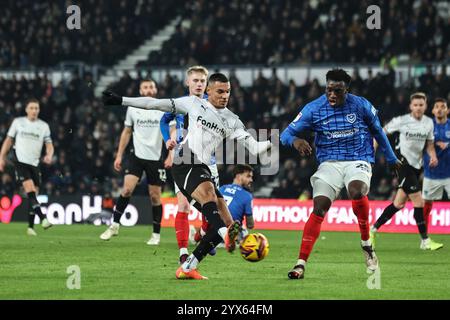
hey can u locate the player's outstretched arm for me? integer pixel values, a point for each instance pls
(165, 105)
(251, 144)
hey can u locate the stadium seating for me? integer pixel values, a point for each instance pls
(292, 31)
(34, 33)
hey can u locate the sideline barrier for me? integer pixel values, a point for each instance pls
(270, 214)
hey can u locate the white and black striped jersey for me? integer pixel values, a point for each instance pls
(207, 127)
(147, 138)
(29, 138)
(413, 135)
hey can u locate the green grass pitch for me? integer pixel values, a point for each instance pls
(127, 268)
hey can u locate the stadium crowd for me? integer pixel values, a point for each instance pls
(310, 31)
(86, 135)
(34, 33)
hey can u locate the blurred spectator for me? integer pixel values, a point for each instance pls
(34, 33)
(291, 31)
(86, 135)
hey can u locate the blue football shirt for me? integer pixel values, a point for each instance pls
(238, 199)
(442, 171)
(342, 133)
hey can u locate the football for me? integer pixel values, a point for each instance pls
(254, 247)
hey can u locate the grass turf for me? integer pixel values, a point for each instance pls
(127, 268)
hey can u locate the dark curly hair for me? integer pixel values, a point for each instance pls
(339, 75)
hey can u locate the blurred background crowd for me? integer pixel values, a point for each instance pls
(224, 32)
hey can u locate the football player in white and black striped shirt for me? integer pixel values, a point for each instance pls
(26, 136)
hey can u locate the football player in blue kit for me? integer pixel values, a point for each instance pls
(344, 126)
(239, 198)
(438, 178)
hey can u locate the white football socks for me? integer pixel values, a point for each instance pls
(222, 232)
(301, 262)
(183, 251)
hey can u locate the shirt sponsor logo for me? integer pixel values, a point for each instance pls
(30, 135)
(147, 123)
(416, 135)
(211, 125)
(341, 133)
(351, 117)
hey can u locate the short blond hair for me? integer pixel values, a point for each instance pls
(200, 69)
(418, 95)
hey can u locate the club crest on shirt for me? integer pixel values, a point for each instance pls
(447, 134)
(351, 117)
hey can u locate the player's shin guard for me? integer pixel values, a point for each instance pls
(387, 214)
(361, 209)
(119, 209)
(426, 212)
(418, 215)
(157, 217)
(212, 238)
(35, 205)
(310, 234)
(182, 229)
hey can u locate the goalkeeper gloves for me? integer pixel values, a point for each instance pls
(111, 99)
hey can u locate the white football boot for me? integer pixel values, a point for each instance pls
(154, 240)
(31, 232)
(46, 224)
(113, 230)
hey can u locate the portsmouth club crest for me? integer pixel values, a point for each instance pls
(447, 134)
(351, 117)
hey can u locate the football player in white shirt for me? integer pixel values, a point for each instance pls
(416, 133)
(27, 135)
(196, 78)
(143, 125)
(209, 123)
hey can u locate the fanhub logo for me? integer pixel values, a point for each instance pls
(7, 207)
(147, 123)
(211, 125)
(70, 213)
(416, 135)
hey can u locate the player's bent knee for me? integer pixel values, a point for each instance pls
(399, 205)
(184, 207)
(319, 212)
(356, 195)
(156, 199)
